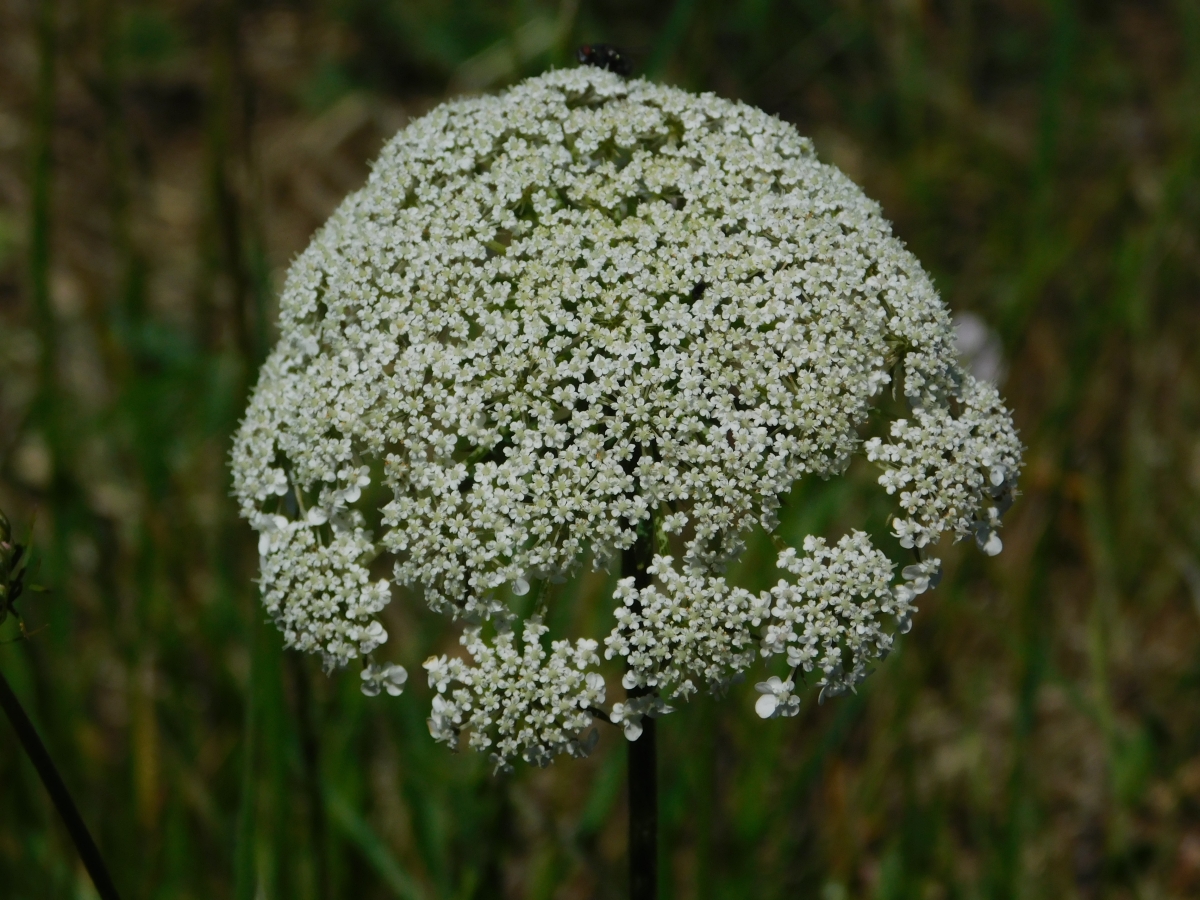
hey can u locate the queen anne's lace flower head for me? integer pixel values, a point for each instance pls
(581, 311)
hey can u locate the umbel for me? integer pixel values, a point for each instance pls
(599, 321)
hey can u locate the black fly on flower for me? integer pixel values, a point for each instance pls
(605, 56)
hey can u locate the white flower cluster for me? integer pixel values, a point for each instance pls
(951, 472)
(316, 588)
(833, 616)
(687, 626)
(536, 703)
(561, 315)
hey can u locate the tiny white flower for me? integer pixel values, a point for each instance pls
(674, 523)
(595, 684)
(631, 721)
(989, 542)
(394, 678)
(922, 576)
(377, 678)
(441, 725)
(777, 698)
(770, 691)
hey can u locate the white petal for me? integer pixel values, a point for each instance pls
(771, 686)
(370, 685)
(765, 707)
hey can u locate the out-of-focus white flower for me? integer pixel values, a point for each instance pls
(563, 316)
(980, 347)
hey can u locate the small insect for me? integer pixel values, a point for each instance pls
(605, 56)
(729, 438)
(698, 291)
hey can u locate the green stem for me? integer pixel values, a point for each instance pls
(57, 789)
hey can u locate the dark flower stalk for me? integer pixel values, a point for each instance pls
(643, 766)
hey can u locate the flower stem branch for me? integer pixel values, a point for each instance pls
(36, 751)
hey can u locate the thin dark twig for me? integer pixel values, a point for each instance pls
(58, 792)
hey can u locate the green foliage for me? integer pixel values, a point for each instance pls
(148, 37)
(1036, 735)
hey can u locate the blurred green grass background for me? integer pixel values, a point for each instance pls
(1037, 735)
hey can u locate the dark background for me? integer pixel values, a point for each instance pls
(1037, 735)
